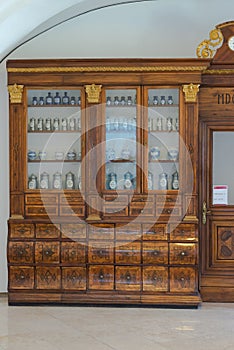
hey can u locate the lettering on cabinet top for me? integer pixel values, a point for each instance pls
(217, 100)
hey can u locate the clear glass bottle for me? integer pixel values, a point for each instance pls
(48, 124)
(64, 124)
(150, 181)
(72, 124)
(163, 181)
(112, 183)
(65, 99)
(32, 124)
(169, 124)
(56, 124)
(44, 181)
(49, 99)
(57, 99)
(128, 180)
(162, 100)
(57, 181)
(175, 181)
(40, 124)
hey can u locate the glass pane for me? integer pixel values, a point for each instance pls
(54, 139)
(223, 165)
(163, 139)
(121, 124)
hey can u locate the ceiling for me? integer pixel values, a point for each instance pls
(23, 20)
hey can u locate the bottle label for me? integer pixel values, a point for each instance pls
(112, 185)
(128, 183)
(69, 184)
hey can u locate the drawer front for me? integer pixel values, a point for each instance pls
(101, 232)
(183, 253)
(21, 277)
(138, 198)
(100, 253)
(73, 253)
(48, 277)
(128, 278)
(183, 232)
(142, 209)
(101, 277)
(128, 232)
(21, 252)
(47, 231)
(41, 199)
(156, 232)
(155, 253)
(21, 230)
(115, 206)
(47, 252)
(128, 253)
(167, 212)
(169, 200)
(73, 231)
(41, 210)
(72, 210)
(71, 198)
(183, 279)
(155, 279)
(74, 278)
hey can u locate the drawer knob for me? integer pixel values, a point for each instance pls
(155, 252)
(183, 253)
(101, 276)
(22, 277)
(128, 277)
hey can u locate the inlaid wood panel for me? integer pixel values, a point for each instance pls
(47, 231)
(48, 277)
(73, 231)
(21, 230)
(73, 253)
(100, 253)
(183, 253)
(101, 277)
(101, 232)
(74, 278)
(21, 252)
(225, 242)
(183, 279)
(128, 253)
(47, 252)
(129, 232)
(155, 279)
(156, 232)
(183, 232)
(155, 253)
(21, 277)
(128, 278)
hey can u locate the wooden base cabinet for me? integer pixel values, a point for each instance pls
(103, 189)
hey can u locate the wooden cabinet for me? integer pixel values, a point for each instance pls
(103, 157)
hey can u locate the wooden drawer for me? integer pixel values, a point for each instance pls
(128, 278)
(183, 232)
(21, 252)
(73, 253)
(101, 277)
(115, 206)
(48, 277)
(72, 210)
(73, 231)
(101, 232)
(128, 232)
(47, 252)
(183, 253)
(21, 230)
(128, 253)
(155, 279)
(71, 198)
(142, 205)
(40, 210)
(47, 231)
(156, 232)
(100, 253)
(183, 279)
(74, 278)
(168, 200)
(41, 199)
(21, 277)
(155, 253)
(166, 212)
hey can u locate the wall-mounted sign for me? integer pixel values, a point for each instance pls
(220, 194)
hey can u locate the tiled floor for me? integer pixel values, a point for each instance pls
(210, 327)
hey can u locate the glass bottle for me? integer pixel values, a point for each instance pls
(128, 180)
(163, 181)
(112, 184)
(170, 100)
(48, 124)
(57, 181)
(57, 99)
(79, 101)
(56, 124)
(72, 101)
(162, 100)
(123, 101)
(32, 124)
(155, 100)
(49, 99)
(108, 101)
(72, 124)
(70, 181)
(129, 101)
(40, 124)
(32, 182)
(41, 101)
(116, 101)
(175, 181)
(169, 124)
(44, 181)
(34, 101)
(150, 181)
(65, 99)
(64, 124)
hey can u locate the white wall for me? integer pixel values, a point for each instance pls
(163, 28)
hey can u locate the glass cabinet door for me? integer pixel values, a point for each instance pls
(121, 139)
(54, 139)
(163, 139)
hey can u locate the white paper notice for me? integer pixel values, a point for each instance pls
(220, 194)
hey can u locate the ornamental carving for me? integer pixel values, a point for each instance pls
(190, 92)
(93, 93)
(16, 92)
(207, 48)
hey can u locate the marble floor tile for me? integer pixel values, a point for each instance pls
(209, 327)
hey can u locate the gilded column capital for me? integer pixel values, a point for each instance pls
(93, 93)
(190, 92)
(16, 92)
